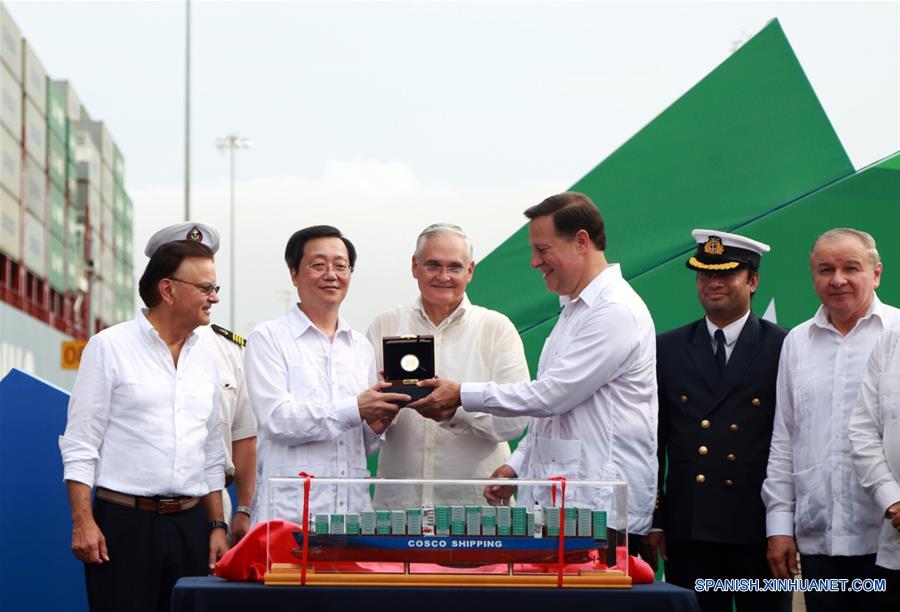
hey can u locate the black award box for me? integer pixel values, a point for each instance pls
(407, 360)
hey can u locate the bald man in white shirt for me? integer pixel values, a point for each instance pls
(471, 343)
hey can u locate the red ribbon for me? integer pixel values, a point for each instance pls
(561, 557)
(306, 484)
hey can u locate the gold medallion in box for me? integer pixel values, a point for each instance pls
(407, 360)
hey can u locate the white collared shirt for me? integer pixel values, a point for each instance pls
(237, 420)
(594, 400)
(303, 391)
(473, 344)
(811, 490)
(875, 438)
(139, 425)
(732, 331)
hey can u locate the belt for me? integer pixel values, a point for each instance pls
(160, 505)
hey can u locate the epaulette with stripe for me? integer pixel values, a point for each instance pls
(229, 335)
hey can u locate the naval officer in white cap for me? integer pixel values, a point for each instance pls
(716, 380)
(238, 423)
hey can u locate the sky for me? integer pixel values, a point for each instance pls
(383, 117)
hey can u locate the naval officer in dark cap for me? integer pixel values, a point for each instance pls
(716, 380)
(238, 425)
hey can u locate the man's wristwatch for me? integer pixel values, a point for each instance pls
(242, 510)
(218, 525)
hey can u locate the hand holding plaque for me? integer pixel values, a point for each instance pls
(407, 360)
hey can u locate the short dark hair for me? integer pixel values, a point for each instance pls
(572, 211)
(163, 264)
(293, 252)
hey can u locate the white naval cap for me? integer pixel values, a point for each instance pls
(197, 232)
(721, 251)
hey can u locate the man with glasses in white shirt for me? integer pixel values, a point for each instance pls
(594, 402)
(314, 388)
(143, 434)
(471, 343)
(238, 424)
(815, 503)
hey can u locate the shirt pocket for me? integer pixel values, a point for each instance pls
(888, 393)
(811, 489)
(198, 399)
(306, 387)
(554, 458)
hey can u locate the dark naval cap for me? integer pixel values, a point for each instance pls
(722, 252)
(197, 232)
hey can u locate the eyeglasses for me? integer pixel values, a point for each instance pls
(339, 268)
(205, 288)
(452, 269)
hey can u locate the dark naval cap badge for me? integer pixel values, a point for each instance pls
(195, 234)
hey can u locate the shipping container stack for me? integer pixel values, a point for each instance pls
(65, 217)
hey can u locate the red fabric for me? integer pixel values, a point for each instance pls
(247, 560)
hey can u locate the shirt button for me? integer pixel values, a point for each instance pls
(341, 443)
(705, 424)
(683, 398)
(702, 450)
(755, 401)
(733, 427)
(731, 457)
(729, 483)
(342, 472)
(700, 478)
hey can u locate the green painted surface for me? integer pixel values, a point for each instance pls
(56, 264)
(748, 138)
(56, 109)
(56, 160)
(56, 212)
(868, 200)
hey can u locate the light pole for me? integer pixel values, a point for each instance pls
(232, 142)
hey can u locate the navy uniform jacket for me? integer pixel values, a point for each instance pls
(716, 434)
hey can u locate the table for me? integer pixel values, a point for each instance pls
(210, 594)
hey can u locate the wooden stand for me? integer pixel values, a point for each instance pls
(288, 574)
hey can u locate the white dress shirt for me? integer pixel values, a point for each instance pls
(731, 332)
(139, 425)
(473, 344)
(237, 420)
(811, 490)
(303, 390)
(594, 398)
(875, 439)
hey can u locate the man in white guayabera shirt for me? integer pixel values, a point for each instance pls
(471, 343)
(814, 501)
(314, 388)
(875, 438)
(594, 401)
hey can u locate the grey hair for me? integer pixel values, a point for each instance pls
(864, 238)
(442, 229)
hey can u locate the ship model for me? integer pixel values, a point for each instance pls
(457, 535)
